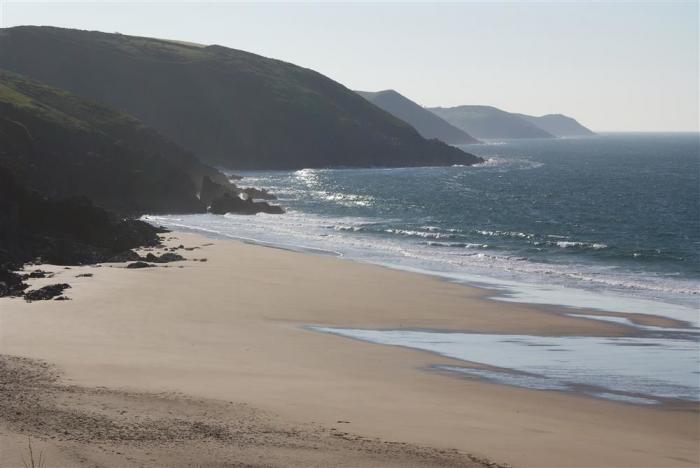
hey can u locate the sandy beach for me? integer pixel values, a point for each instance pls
(209, 363)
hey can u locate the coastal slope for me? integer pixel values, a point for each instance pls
(558, 125)
(428, 124)
(62, 145)
(489, 122)
(231, 108)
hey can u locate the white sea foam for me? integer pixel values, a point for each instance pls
(581, 245)
(514, 234)
(626, 321)
(462, 245)
(515, 379)
(413, 233)
(518, 279)
(504, 163)
(614, 368)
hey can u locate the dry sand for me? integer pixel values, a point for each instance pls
(229, 331)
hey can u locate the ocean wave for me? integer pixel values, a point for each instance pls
(306, 171)
(510, 234)
(580, 245)
(348, 228)
(309, 177)
(538, 241)
(347, 199)
(413, 233)
(490, 143)
(436, 254)
(504, 164)
(463, 245)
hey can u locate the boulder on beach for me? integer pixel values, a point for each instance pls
(126, 256)
(46, 293)
(140, 265)
(11, 283)
(164, 258)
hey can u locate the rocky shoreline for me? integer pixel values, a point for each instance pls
(36, 229)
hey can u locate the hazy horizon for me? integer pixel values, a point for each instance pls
(614, 66)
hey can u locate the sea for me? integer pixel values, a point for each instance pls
(609, 222)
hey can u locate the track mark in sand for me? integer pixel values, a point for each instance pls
(108, 427)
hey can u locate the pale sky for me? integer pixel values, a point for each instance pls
(615, 65)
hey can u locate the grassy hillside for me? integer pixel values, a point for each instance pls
(229, 107)
(489, 122)
(428, 124)
(62, 145)
(558, 125)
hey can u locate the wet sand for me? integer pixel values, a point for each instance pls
(231, 329)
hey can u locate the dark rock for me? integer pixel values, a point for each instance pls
(164, 258)
(210, 190)
(139, 265)
(132, 233)
(170, 257)
(84, 275)
(258, 194)
(228, 203)
(38, 274)
(11, 283)
(126, 256)
(62, 298)
(69, 231)
(45, 293)
(269, 209)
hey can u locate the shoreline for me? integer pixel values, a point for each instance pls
(229, 329)
(499, 289)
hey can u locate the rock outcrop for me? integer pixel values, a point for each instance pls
(211, 190)
(46, 293)
(67, 231)
(231, 203)
(258, 194)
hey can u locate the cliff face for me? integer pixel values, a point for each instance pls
(62, 146)
(558, 125)
(66, 231)
(229, 107)
(489, 122)
(425, 122)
